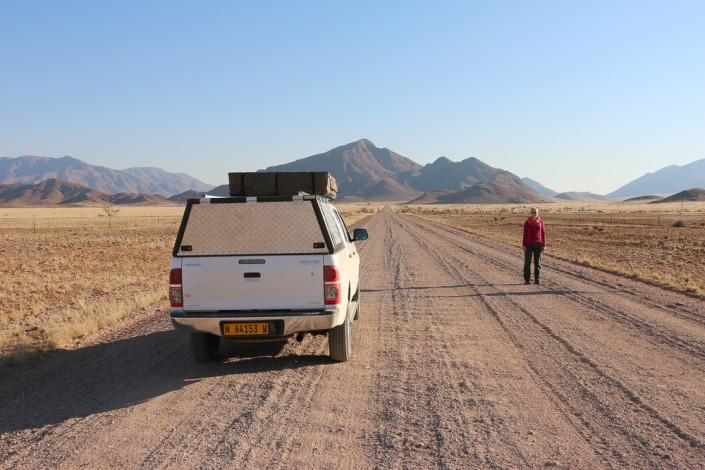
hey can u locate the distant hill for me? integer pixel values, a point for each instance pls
(668, 180)
(385, 189)
(538, 187)
(33, 169)
(649, 198)
(48, 192)
(695, 194)
(365, 172)
(185, 196)
(583, 197)
(431, 197)
(492, 193)
(168, 179)
(54, 192)
(458, 176)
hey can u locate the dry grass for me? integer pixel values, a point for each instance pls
(660, 243)
(66, 274)
(353, 212)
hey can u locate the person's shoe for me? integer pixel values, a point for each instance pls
(537, 282)
(527, 282)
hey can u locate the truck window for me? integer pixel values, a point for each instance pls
(331, 225)
(343, 227)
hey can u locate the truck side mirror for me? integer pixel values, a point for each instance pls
(359, 234)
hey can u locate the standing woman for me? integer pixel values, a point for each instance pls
(533, 244)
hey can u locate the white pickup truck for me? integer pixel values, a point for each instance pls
(264, 269)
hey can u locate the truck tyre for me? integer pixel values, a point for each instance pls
(339, 341)
(205, 346)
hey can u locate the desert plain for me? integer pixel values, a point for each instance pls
(70, 271)
(456, 363)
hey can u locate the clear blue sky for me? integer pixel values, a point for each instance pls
(579, 95)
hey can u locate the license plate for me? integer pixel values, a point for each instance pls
(240, 329)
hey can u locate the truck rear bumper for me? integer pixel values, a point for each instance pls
(210, 322)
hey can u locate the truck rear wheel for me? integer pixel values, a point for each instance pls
(205, 346)
(339, 341)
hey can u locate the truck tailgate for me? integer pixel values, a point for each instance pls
(222, 283)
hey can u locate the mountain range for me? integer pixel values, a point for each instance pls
(148, 180)
(52, 192)
(668, 180)
(363, 172)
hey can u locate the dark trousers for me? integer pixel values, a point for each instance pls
(535, 251)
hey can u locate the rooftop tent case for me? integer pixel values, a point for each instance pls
(282, 183)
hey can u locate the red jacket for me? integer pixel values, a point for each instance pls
(534, 233)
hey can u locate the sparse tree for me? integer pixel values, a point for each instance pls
(110, 210)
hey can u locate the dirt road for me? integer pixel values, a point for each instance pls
(456, 364)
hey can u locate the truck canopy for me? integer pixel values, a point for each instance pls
(277, 225)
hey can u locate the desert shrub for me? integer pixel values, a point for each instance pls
(678, 223)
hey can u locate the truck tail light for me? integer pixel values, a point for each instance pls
(175, 292)
(331, 285)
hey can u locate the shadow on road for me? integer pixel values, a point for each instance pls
(73, 384)
(530, 290)
(414, 288)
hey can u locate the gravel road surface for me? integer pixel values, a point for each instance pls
(456, 364)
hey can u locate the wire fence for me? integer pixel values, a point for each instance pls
(647, 219)
(87, 223)
(659, 220)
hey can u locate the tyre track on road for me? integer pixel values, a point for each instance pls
(430, 391)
